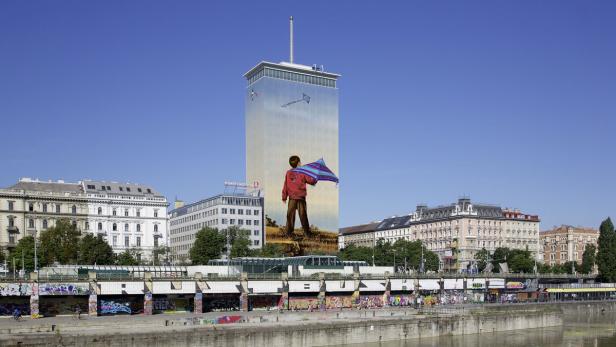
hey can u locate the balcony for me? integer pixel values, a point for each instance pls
(12, 229)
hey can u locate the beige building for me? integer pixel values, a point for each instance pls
(566, 243)
(455, 232)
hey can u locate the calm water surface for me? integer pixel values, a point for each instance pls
(592, 330)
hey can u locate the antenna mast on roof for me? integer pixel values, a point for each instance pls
(291, 39)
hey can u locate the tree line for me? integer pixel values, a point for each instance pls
(65, 244)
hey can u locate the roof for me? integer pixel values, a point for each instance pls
(49, 187)
(291, 67)
(564, 229)
(125, 189)
(358, 229)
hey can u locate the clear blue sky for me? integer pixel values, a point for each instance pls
(510, 102)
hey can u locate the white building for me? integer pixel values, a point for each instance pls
(244, 211)
(126, 215)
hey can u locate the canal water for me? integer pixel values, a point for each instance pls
(592, 330)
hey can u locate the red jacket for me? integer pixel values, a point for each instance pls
(295, 185)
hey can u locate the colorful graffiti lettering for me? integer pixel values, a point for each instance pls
(221, 303)
(228, 319)
(15, 289)
(147, 304)
(115, 307)
(370, 301)
(64, 289)
(337, 302)
(303, 303)
(401, 300)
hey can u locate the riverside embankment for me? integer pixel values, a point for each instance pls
(291, 328)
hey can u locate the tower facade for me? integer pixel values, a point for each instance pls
(292, 109)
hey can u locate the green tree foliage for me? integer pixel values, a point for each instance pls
(518, 260)
(95, 250)
(589, 259)
(606, 257)
(209, 244)
(356, 253)
(482, 257)
(240, 246)
(22, 255)
(499, 256)
(271, 250)
(60, 244)
(129, 257)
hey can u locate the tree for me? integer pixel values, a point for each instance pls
(157, 252)
(22, 255)
(520, 261)
(499, 256)
(60, 244)
(588, 258)
(271, 250)
(356, 253)
(240, 247)
(482, 257)
(209, 244)
(95, 250)
(129, 257)
(269, 222)
(606, 257)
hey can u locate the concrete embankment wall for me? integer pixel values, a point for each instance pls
(323, 332)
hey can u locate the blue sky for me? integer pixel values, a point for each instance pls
(512, 103)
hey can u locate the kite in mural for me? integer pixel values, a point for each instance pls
(317, 170)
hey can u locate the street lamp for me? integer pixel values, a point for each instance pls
(35, 255)
(394, 261)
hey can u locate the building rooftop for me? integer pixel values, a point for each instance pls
(34, 185)
(188, 208)
(565, 228)
(304, 69)
(358, 229)
(125, 189)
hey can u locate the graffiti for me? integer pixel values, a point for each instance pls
(221, 303)
(115, 307)
(338, 302)
(222, 320)
(401, 300)
(163, 304)
(147, 304)
(370, 301)
(303, 303)
(283, 301)
(15, 289)
(198, 303)
(515, 285)
(7, 309)
(263, 302)
(64, 289)
(92, 305)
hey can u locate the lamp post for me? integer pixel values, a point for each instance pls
(394, 261)
(35, 255)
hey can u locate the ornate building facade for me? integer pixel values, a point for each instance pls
(455, 232)
(126, 215)
(566, 243)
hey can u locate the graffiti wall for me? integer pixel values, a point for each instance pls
(370, 301)
(112, 307)
(8, 306)
(401, 300)
(338, 301)
(303, 303)
(15, 289)
(64, 289)
(229, 302)
(223, 320)
(171, 304)
(148, 304)
(263, 302)
(53, 306)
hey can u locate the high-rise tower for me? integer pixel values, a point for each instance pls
(292, 109)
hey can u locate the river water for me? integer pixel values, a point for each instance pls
(592, 330)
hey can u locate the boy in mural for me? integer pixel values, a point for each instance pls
(295, 190)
